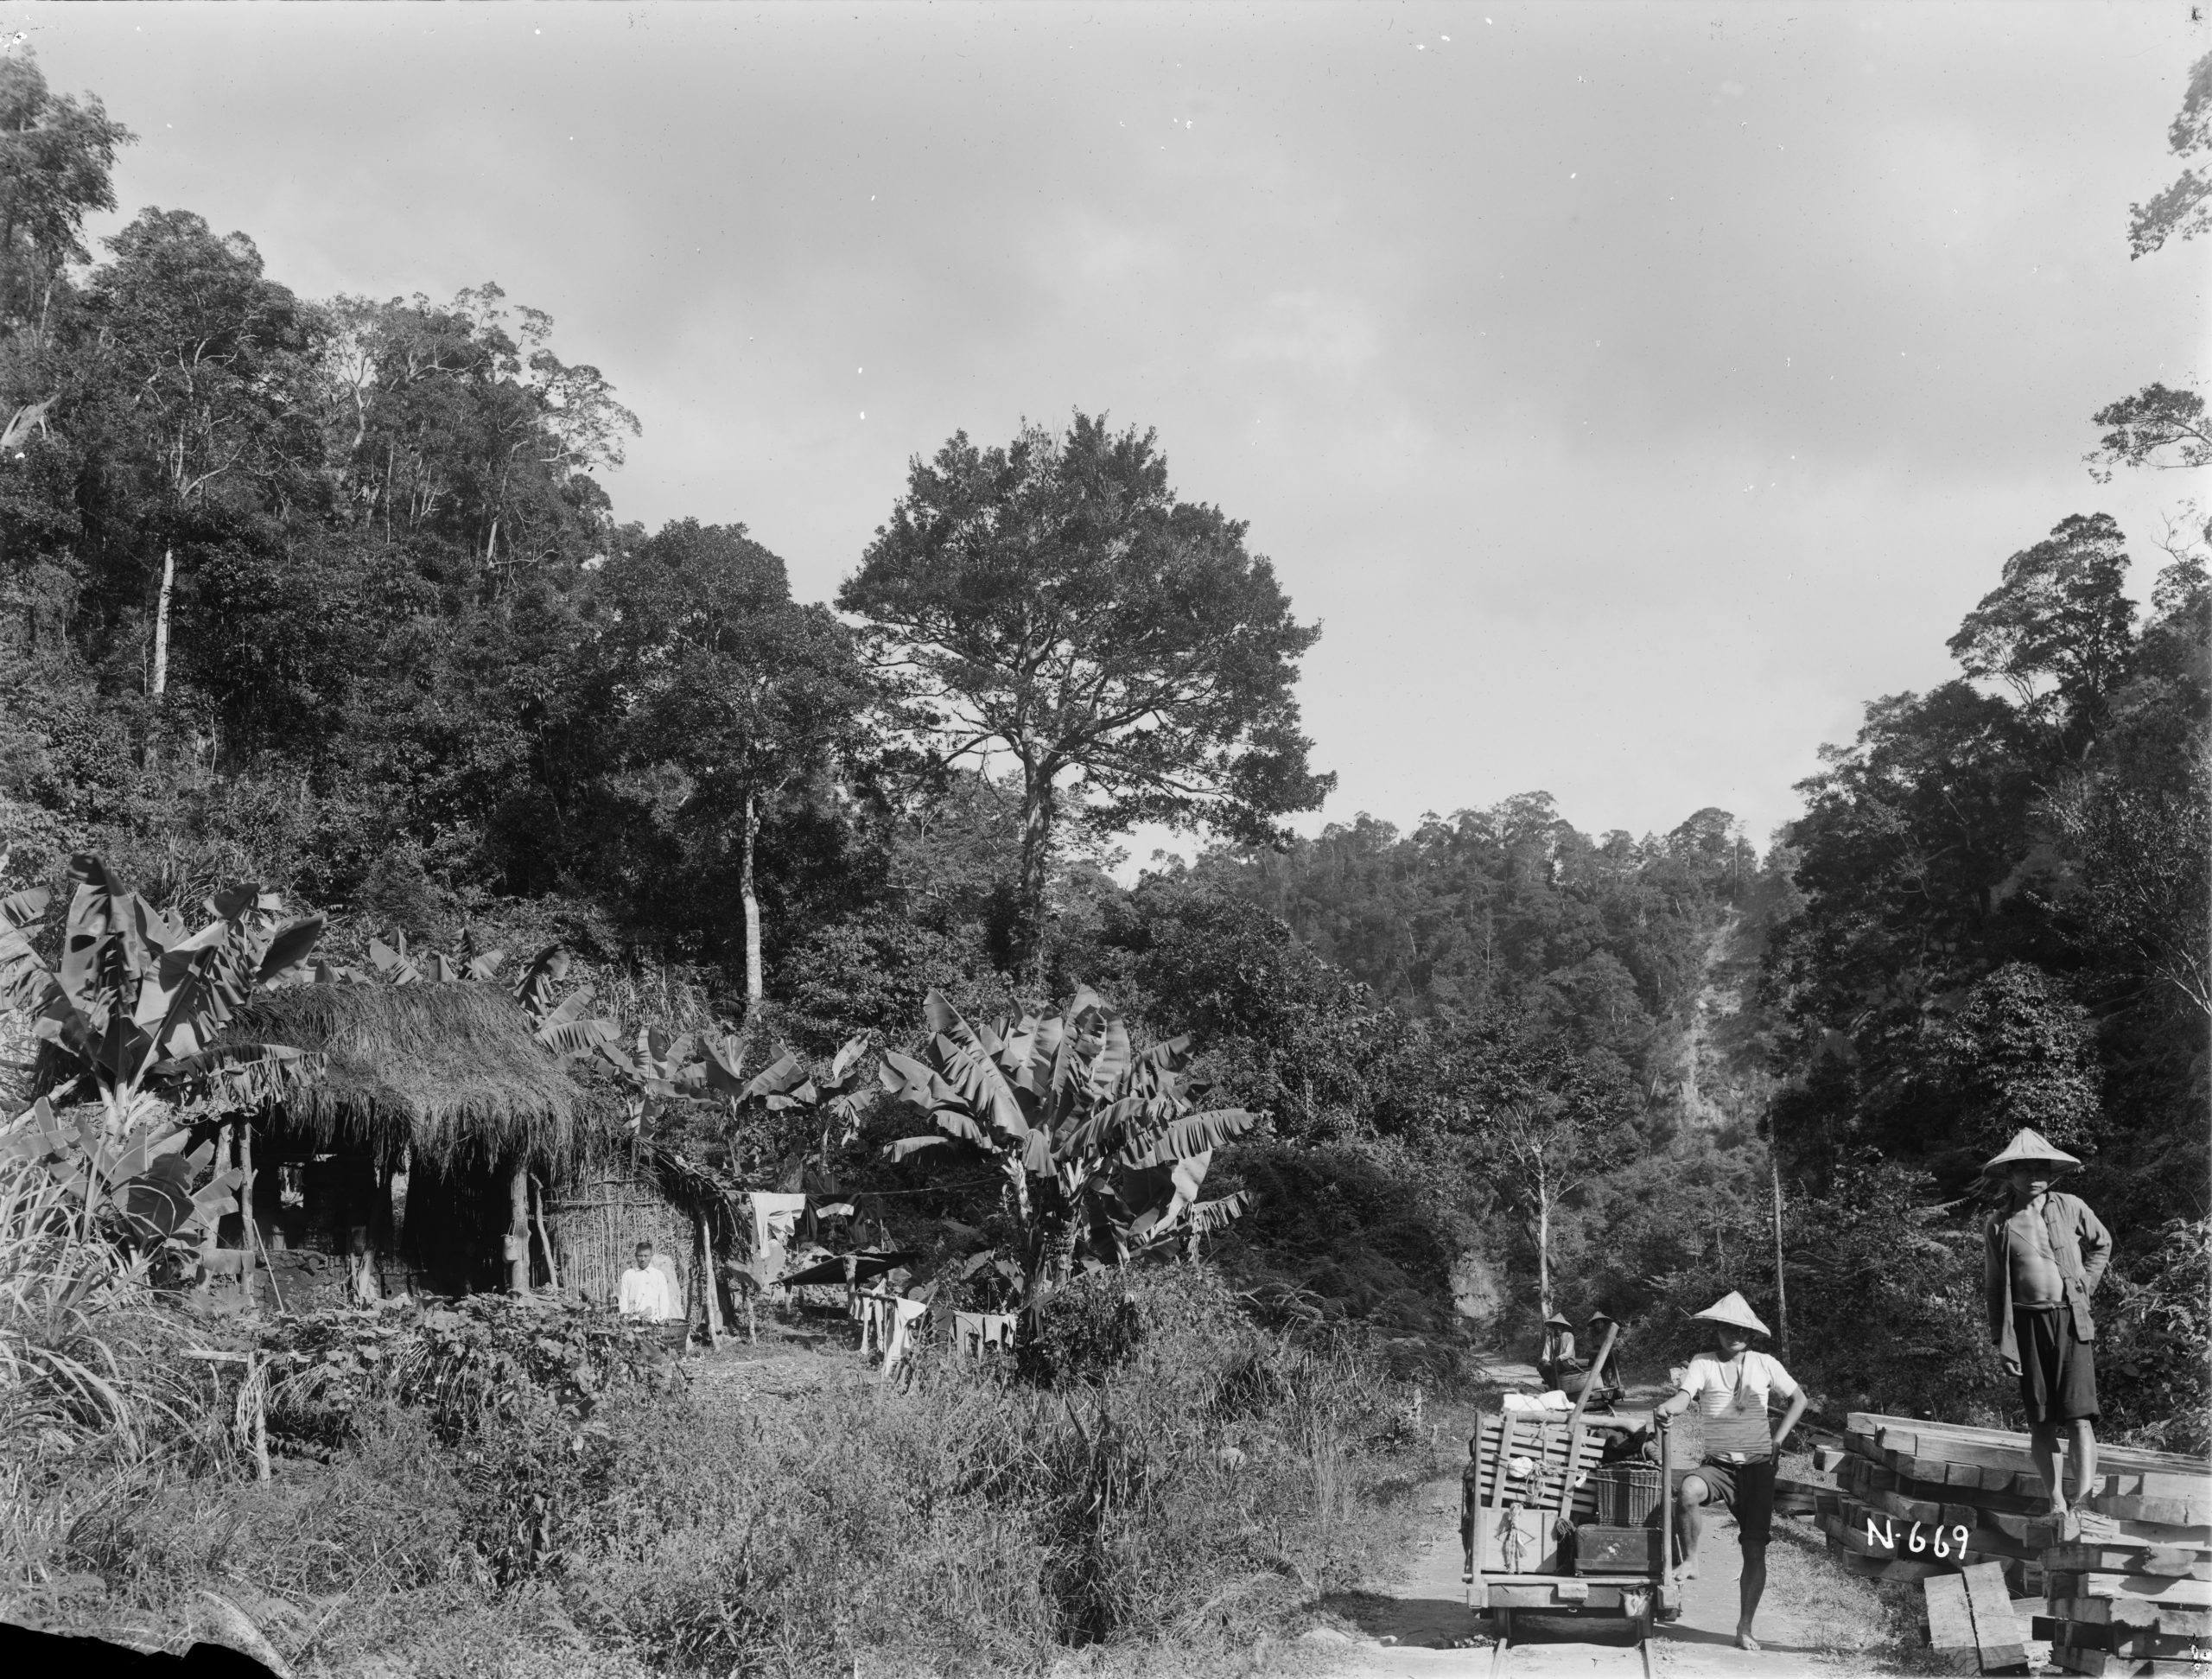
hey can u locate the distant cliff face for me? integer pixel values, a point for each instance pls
(1477, 1295)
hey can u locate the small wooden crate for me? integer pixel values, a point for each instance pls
(1607, 1550)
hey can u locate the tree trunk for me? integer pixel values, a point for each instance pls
(1036, 817)
(1780, 1288)
(518, 1255)
(1543, 1244)
(710, 1298)
(161, 682)
(545, 1240)
(754, 986)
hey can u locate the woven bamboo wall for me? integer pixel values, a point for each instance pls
(596, 1221)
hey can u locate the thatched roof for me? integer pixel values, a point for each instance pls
(452, 1070)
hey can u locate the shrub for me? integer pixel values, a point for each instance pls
(2154, 1329)
(1082, 1332)
(483, 1362)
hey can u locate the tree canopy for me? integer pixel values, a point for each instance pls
(1054, 599)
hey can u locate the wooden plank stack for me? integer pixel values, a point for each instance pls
(2127, 1582)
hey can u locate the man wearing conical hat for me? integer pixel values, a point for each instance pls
(1732, 1386)
(2045, 1253)
(1555, 1360)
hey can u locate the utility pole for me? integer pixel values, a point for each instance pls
(1780, 1288)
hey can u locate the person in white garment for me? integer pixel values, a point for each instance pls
(1731, 1386)
(645, 1293)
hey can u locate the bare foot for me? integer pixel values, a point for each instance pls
(1686, 1568)
(1744, 1640)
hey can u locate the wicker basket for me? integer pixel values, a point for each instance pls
(1627, 1493)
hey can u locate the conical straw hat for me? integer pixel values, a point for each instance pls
(1733, 1309)
(1556, 1319)
(2028, 1145)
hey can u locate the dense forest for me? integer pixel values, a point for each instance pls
(333, 595)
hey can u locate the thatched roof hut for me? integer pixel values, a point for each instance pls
(451, 1072)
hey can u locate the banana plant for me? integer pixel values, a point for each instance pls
(565, 1025)
(833, 1100)
(135, 999)
(393, 963)
(1102, 1148)
(147, 1184)
(828, 1104)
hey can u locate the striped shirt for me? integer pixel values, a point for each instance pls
(1732, 1398)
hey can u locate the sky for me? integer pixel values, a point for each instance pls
(1631, 392)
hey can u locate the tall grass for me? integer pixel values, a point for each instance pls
(1214, 1483)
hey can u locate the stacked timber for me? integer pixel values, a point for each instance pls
(2136, 1600)
(1915, 1499)
(2126, 1580)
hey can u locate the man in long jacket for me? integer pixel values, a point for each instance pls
(2045, 1253)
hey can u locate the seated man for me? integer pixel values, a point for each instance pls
(1732, 1387)
(1556, 1359)
(1600, 1379)
(644, 1290)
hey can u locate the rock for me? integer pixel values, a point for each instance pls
(1324, 1635)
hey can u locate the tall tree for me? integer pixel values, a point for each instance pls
(2058, 630)
(2184, 209)
(1055, 600)
(206, 348)
(731, 694)
(56, 155)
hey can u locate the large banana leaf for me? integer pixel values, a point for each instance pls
(780, 1084)
(1111, 1066)
(1208, 1217)
(20, 909)
(719, 1064)
(1193, 1134)
(395, 965)
(289, 947)
(25, 980)
(547, 969)
(845, 1070)
(968, 1060)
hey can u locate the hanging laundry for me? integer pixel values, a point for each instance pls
(906, 1314)
(774, 1225)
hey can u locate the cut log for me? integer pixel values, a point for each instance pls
(1950, 1623)
(2151, 1588)
(2108, 1457)
(2047, 1531)
(2140, 1613)
(2174, 1561)
(2001, 1637)
(2119, 1640)
(2171, 1513)
(2104, 1662)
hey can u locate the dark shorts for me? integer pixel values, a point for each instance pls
(1747, 1489)
(2058, 1369)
